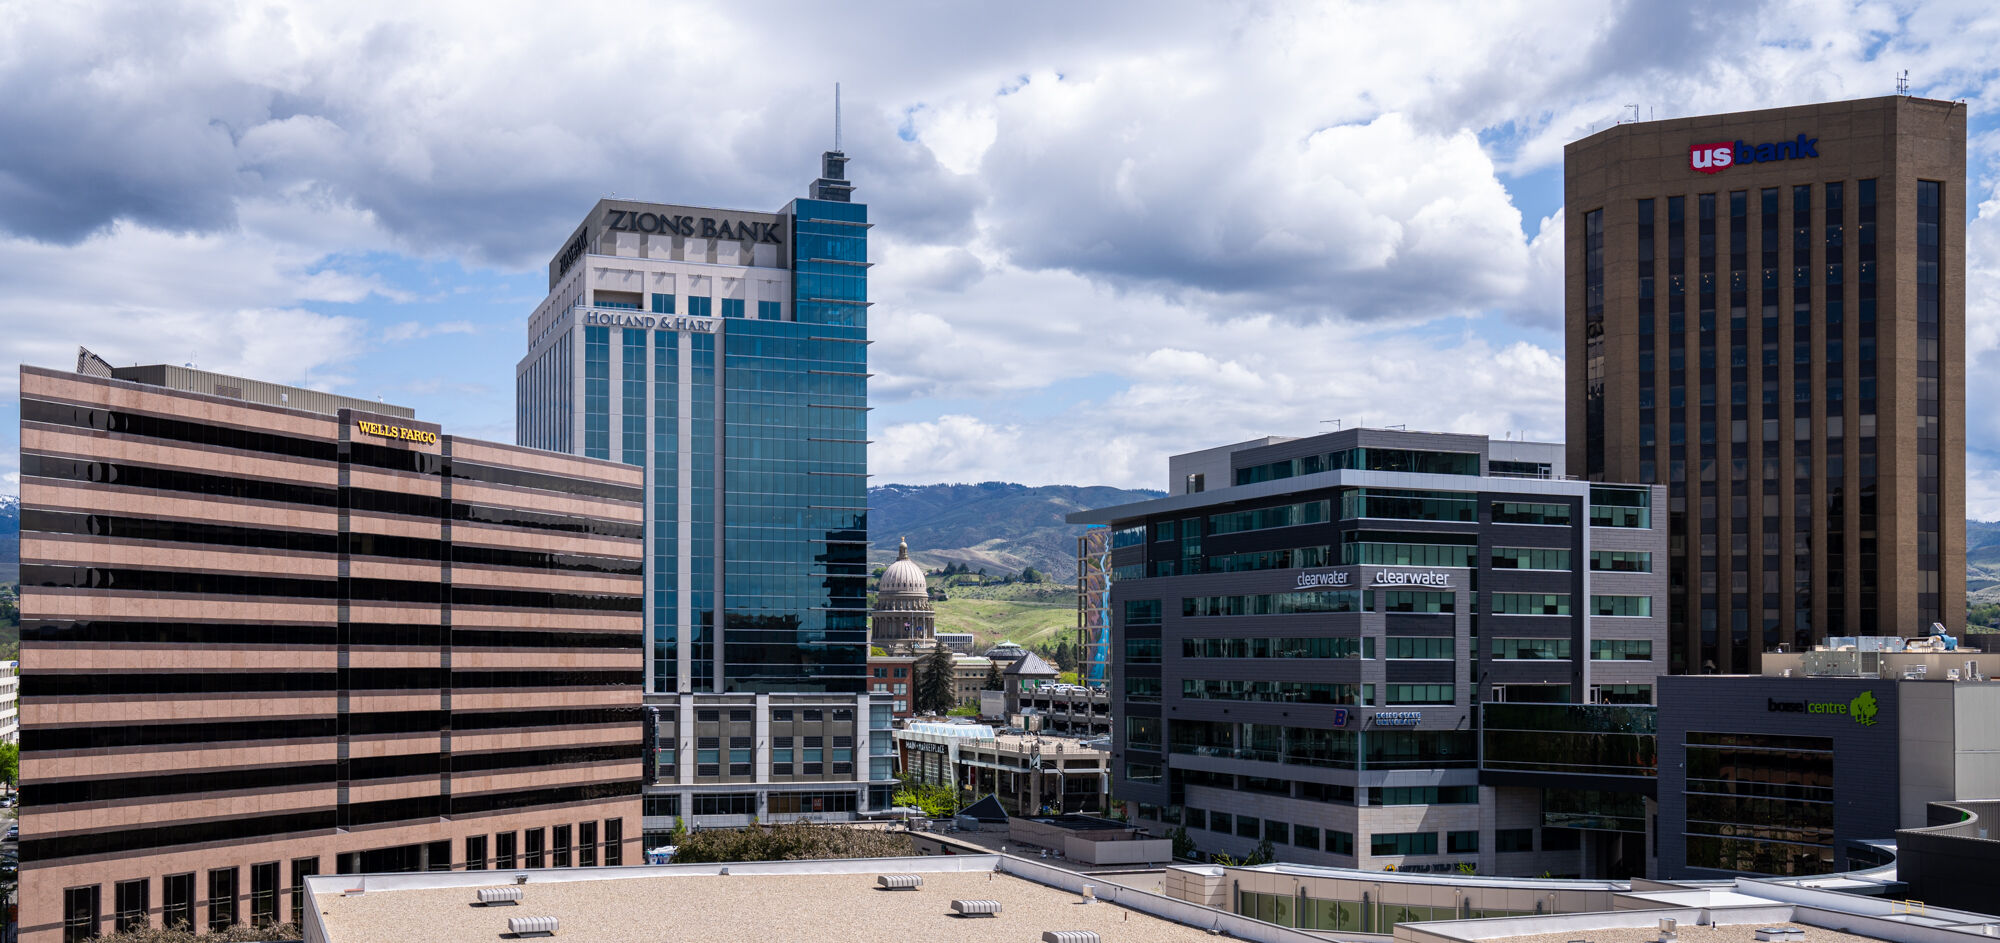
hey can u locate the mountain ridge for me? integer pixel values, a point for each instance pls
(999, 526)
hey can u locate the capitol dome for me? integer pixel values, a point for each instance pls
(902, 615)
(903, 577)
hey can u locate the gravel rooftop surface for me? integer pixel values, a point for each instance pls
(786, 908)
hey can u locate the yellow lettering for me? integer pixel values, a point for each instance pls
(404, 433)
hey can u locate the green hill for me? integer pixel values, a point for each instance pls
(995, 525)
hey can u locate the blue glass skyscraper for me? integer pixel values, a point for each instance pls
(726, 351)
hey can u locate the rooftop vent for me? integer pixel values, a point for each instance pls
(976, 908)
(1669, 930)
(1779, 934)
(900, 882)
(489, 896)
(1069, 936)
(1089, 895)
(531, 926)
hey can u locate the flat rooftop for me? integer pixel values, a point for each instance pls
(1724, 933)
(765, 902)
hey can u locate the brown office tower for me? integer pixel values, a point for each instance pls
(1766, 312)
(265, 641)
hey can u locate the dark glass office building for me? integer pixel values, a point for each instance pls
(1304, 632)
(1766, 314)
(726, 352)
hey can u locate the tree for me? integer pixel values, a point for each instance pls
(1183, 843)
(10, 764)
(1030, 575)
(936, 688)
(1265, 854)
(993, 680)
(936, 799)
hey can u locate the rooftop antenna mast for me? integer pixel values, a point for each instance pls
(836, 116)
(1903, 82)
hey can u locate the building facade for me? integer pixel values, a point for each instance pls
(263, 642)
(1797, 775)
(725, 353)
(10, 701)
(1808, 262)
(1300, 643)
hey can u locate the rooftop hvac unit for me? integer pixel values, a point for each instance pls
(976, 908)
(492, 896)
(523, 926)
(900, 882)
(1069, 936)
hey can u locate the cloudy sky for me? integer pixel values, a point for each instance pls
(1104, 232)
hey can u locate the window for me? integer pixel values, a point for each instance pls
(770, 310)
(1403, 843)
(1408, 505)
(1623, 693)
(503, 851)
(177, 901)
(1514, 839)
(614, 842)
(303, 868)
(562, 846)
(1530, 604)
(1423, 795)
(1531, 649)
(1289, 692)
(533, 854)
(1248, 827)
(1529, 558)
(1400, 600)
(264, 894)
(80, 913)
(1221, 822)
(728, 803)
(1277, 833)
(1516, 512)
(1462, 843)
(1277, 648)
(1271, 604)
(1621, 649)
(1142, 612)
(1421, 693)
(1621, 605)
(1621, 561)
(732, 307)
(1289, 515)
(1142, 773)
(1306, 836)
(1425, 647)
(1142, 689)
(134, 901)
(1142, 733)
(1621, 507)
(1561, 839)
(221, 899)
(663, 304)
(1339, 843)
(699, 307)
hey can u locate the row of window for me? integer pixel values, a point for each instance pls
(132, 904)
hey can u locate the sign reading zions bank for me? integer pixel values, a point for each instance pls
(1718, 157)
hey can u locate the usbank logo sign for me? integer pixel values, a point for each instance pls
(1722, 155)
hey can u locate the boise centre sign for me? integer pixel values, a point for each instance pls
(1718, 157)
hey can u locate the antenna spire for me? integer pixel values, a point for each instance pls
(836, 116)
(1903, 82)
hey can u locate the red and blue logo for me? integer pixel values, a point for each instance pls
(1722, 155)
